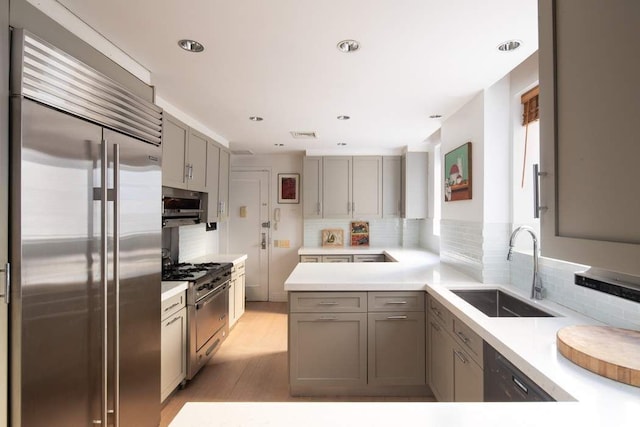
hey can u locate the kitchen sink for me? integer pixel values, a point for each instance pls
(495, 303)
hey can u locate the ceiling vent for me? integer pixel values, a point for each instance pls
(304, 135)
(242, 152)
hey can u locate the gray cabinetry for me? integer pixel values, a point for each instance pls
(415, 168)
(589, 103)
(213, 181)
(455, 357)
(175, 136)
(337, 187)
(396, 348)
(236, 293)
(197, 161)
(391, 187)
(336, 258)
(369, 258)
(223, 185)
(310, 258)
(312, 187)
(367, 187)
(173, 336)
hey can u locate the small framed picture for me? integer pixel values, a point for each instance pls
(457, 174)
(288, 188)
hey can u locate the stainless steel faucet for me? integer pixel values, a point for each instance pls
(536, 284)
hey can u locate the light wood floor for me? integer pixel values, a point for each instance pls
(251, 366)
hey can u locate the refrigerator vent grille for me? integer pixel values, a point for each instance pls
(50, 76)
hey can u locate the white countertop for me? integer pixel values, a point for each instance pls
(406, 414)
(172, 288)
(233, 258)
(529, 343)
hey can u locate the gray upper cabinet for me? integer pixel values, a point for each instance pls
(391, 187)
(174, 151)
(415, 174)
(197, 161)
(213, 181)
(589, 103)
(223, 185)
(367, 187)
(312, 187)
(336, 187)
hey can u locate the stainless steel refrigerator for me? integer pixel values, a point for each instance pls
(85, 245)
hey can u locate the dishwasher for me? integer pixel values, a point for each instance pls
(503, 382)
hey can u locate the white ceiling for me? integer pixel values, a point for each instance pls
(278, 59)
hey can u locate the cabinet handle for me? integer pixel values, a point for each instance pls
(461, 357)
(435, 326)
(396, 317)
(519, 383)
(327, 318)
(397, 302)
(172, 305)
(174, 320)
(318, 208)
(327, 303)
(437, 312)
(463, 337)
(348, 207)
(186, 171)
(536, 191)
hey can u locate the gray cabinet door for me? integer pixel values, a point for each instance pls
(173, 355)
(197, 161)
(589, 103)
(327, 349)
(312, 187)
(310, 258)
(336, 187)
(441, 363)
(396, 348)
(367, 187)
(336, 258)
(223, 186)
(213, 181)
(391, 187)
(174, 152)
(468, 378)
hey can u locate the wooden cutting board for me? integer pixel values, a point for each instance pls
(611, 352)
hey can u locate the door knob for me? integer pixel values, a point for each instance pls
(263, 244)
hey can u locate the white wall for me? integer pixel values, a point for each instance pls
(467, 124)
(282, 260)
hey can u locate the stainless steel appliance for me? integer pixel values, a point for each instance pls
(207, 309)
(181, 207)
(85, 245)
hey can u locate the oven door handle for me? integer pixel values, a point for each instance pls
(206, 300)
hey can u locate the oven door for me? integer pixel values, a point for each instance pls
(211, 314)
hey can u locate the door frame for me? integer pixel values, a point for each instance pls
(270, 196)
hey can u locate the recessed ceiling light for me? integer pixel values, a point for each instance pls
(279, 145)
(435, 116)
(256, 118)
(342, 144)
(508, 46)
(348, 46)
(191, 45)
(343, 117)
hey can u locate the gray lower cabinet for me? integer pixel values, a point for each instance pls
(327, 349)
(455, 357)
(336, 258)
(173, 338)
(396, 348)
(310, 258)
(357, 343)
(369, 258)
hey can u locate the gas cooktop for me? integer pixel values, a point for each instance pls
(188, 271)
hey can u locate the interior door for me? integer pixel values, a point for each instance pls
(249, 228)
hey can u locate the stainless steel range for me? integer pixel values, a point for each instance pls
(207, 308)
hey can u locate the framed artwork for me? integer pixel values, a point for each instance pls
(457, 174)
(333, 237)
(360, 233)
(288, 188)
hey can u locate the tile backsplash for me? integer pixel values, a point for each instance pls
(194, 242)
(557, 279)
(394, 232)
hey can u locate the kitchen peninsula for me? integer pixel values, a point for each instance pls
(528, 343)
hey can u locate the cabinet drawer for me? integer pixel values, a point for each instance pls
(369, 258)
(328, 302)
(469, 340)
(441, 314)
(310, 258)
(396, 301)
(172, 305)
(336, 258)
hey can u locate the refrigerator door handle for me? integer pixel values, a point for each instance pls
(7, 282)
(104, 276)
(116, 279)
